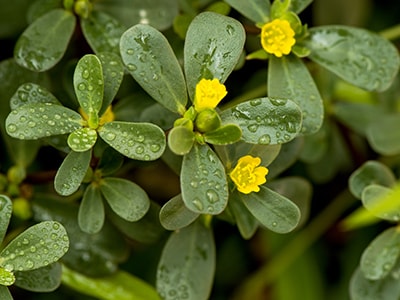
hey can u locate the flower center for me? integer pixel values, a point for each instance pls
(277, 37)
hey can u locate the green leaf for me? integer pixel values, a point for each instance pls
(381, 255)
(45, 279)
(126, 199)
(265, 121)
(89, 87)
(272, 210)
(151, 61)
(203, 181)
(255, 10)
(289, 78)
(245, 221)
(102, 32)
(39, 8)
(5, 215)
(4, 293)
(37, 120)
(7, 278)
(110, 161)
(158, 14)
(82, 139)
(32, 49)
(31, 93)
(141, 141)
(226, 134)
(71, 172)
(382, 202)
(118, 286)
(297, 6)
(175, 215)
(91, 210)
(113, 72)
(180, 140)
(371, 172)
(383, 136)
(279, 8)
(358, 56)
(362, 288)
(187, 264)
(213, 46)
(36, 247)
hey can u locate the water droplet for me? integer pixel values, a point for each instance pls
(110, 136)
(197, 203)
(140, 138)
(264, 139)
(12, 128)
(253, 127)
(155, 148)
(278, 102)
(230, 30)
(51, 122)
(146, 157)
(130, 51)
(274, 224)
(23, 96)
(194, 184)
(139, 149)
(32, 249)
(25, 241)
(22, 119)
(81, 86)
(29, 264)
(387, 267)
(155, 77)
(212, 196)
(85, 74)
(255, 102)
(131, 67)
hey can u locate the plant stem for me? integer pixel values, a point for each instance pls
(392, 33)
(252, 288)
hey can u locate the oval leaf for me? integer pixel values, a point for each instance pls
(289, 78)
(224, 135)
(190, 274)
(45, 279)
(4, 293)
(55, 28)
(127, 199)
(37, 120)
(89, 86)
(175, 215)
(371, 172)
(36, 247)
(82, 139)
(31, 93)
(381, 255)
(272, 210)
(141, 141)
(102, 25)
(71, 172)
(255, 10)
(358, 56)
(212, 49)
(383, 135)
(5, 215)
(245, 221)
(382, 202)
(265, 121)
(180, 140)
(203, 181)
(151, 61)
(91, 210)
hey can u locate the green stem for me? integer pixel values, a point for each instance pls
(392, 33)
(271, 271)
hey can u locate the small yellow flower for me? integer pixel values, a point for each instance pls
(208, 94)
(247, 175)
(277, 37)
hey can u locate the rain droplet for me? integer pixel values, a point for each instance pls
(197, 203)
(264, 139)
(278, 102)
(274, 224)
(212, 196)
(51, 122)
(230, 30)
(81, 86)
(194, 184)
(85, 74)
(32, 249)
(255, 102)
(110, 136)
(286, 137)
(30, 264)
(12, 128)
(131, 67)
(22, 118)
(139, 149)
(146, 157)
(140, 138)
(155, 148)
(130, 51)
(253, 127)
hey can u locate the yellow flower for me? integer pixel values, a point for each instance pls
(208, 94)
(277, 37)
(247, 175)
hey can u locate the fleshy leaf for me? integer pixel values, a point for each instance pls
(5, 215)
(289, 78)
(89, 87)
(141, 141)
(265, 121)
(358, 56)
(82, 139)
(381, 255)
(151, 61)
(32, 49)
(226, 134)
(255, 10)
(189, 275)
(382, 202)
(203, 181)
(71, 172)
(272, 210)
(213, 46)
(102, 25)
(175, 215)
(383, 135)
(245, 221)
(37, 120)
(371, 172)
(126, 199)
(118, 286)
(180, 140)
(4, 293)
(31, 93)
(91, 210)
(298, 6)
(113, 72)
(45, 279)
(30, 250)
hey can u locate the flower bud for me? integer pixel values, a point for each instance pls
(207, 120)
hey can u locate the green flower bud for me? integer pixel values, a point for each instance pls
(184, 123)
(83, 8)
(207, 120)
(22, 208)
(16, 174)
